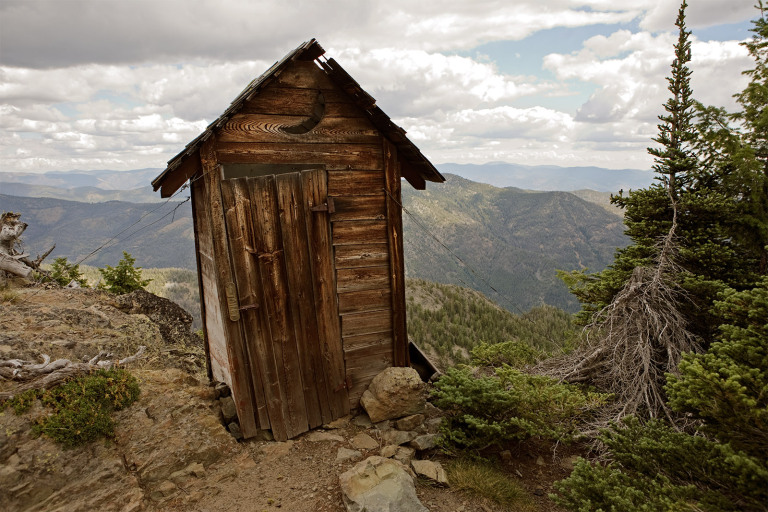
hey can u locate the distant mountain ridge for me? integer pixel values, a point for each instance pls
(79, 228)
(102, 179)
(498, 174)
(510, 242)
(551, 177)
(83, 194)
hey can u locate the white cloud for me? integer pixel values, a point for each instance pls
(630, 70)
(415, 82)
(125, 84)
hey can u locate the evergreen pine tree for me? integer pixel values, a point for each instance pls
(717, 174)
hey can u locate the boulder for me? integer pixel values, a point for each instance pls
(402, 454)
(228, 410)
(394, 393)
(378, 484)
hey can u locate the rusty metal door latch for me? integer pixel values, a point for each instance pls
(328, 206)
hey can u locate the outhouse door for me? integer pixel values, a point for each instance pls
(279, 232)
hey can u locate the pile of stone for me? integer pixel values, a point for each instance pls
(404, 428)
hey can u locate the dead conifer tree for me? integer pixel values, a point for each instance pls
(633, 342)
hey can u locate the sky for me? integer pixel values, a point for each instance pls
(126, 84)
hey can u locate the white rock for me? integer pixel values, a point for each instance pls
(378, 484)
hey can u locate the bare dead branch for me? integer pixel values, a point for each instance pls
(49, 373)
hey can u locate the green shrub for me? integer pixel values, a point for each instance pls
(654, 467)
(513, 353)
(124, 278)
(725, 389)
(64, 273)
(509, 405)
(82, 408)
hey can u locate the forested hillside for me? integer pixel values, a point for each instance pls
(447, 322)
(514, 239)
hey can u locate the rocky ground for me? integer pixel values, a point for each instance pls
(171, 450)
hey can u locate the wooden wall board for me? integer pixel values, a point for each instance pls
(348, 182)
(396, 259)
(371, 207)
(381, 340)
(362, 278)
(355, 155)
(276, 99)
(355, 324)
(271, 128)
(365, 300)
(196, 205)
(215, 335)
(359, 232)
(362, 255)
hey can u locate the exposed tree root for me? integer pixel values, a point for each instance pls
(633, 342)
(49, 373)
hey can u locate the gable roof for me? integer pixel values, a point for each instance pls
(415, 166)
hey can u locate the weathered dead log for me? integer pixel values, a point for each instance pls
(14, 266)
(49, 374)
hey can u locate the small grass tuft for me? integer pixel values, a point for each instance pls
(481, 479)
(8, 296)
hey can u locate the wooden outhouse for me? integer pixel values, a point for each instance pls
(296, 202)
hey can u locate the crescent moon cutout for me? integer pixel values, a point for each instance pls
(318, 111)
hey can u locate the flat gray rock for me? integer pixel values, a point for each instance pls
(378, 484)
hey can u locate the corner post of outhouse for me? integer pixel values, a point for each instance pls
(392, 177)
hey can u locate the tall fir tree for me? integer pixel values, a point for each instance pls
(716, 174)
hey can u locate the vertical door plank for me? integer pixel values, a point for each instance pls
(396, 261)
(315, 188)
(290, 204)
(236, 350)
(275, 285)
(238, 215)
